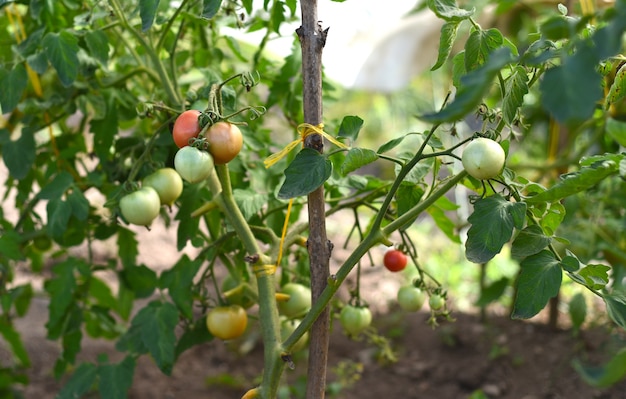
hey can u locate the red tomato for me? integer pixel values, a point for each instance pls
(186, 127)
(395, 260)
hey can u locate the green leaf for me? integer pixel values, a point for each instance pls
(140, 279)
(250, 202)
(59, 214)
(407, 196)
(575, 182)
(305, 174)
(10, 245)
(80, 382)
(62, 52)
(607, 375)
(79, 203)
(98, 45)
(493, 221)
(570, 91)
(19, 155)
(616, 307)
(147, 12)
(102, 294)
(577, 310)
(530, 241)
(61, 289)
(558, 27)
(391, 144)
(116, 379)
(14, 341)
(447, 226)
(449, 10)
(356, 158)
(472, 88)
(492, 292)
(179, 282)
(13, 84)
(479, 46)
(516, 87)
(57, 187)
(570, 263)
(596, 276)
(616, 130)
(195, 334)
(104, 131)
(127, 247)
(446, 40)
(350, 127)
(155, 325)
(539, 280)
(210, 8)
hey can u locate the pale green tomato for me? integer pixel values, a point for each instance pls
(141, 207)
(411, 298)
(355, 319)
(483, 158)
(192, 164)
(167, 183)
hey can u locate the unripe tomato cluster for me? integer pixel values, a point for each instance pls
(194, 165)
(162, 187)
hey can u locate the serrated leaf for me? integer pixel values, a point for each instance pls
(607, 375)
(447, 226)
(516, 87)
(492, 292)
(14, 341)
(570, 263)
(449, 10)
(446, 40)
(529, 241)
(11, 245)
(98, 45)
(539, 280)
(79, 203)
(179, 280)
(62, 52)
(305, 174)
(57, 187)
(616, 307)
(575, 182)
(194, 334)
(350, 127)
(249, 201)
(19, 155)
(147, 12)
(479, 46)
(570, 91)
(210, 8)
(407, 196)
(616, 130)
(116, 379)
(357, 158)
(13, 84)
(473, 86)
(127, 247)
(596, 276)
(59, 214)
(80, 382)
(156, 324)
(391, 144)
(61, 289)
(140, 279)
(493, 221)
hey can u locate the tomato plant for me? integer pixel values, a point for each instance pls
(287, 327)
(395, 260)
(225, 142)
(186, 127)
(355, 319)
(141, 207)
(299, 301)
(436, 302)
(411, 298)
(227, 322)
(193, 165)
(483, 158)
(167, 183)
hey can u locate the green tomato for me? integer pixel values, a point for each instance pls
(355, 319)
(287, 327)
(436, 302)
(141, 207)
(299, 302)
(192, 164)
(227, 322)
(411, 298)
(167, 183)
(483, 158)
(236, 295)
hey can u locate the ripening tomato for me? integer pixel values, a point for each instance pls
(141, 207)
(394, 260)
(411, 298)
(167, 183)
(192, 164)
(483, 158)
(299, 301)
(227, 322)
(355, 319)
(436, 302)
(225, 142)
(186, 127)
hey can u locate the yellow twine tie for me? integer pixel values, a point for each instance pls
(305, 130)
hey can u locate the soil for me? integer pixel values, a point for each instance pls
(501, 358)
